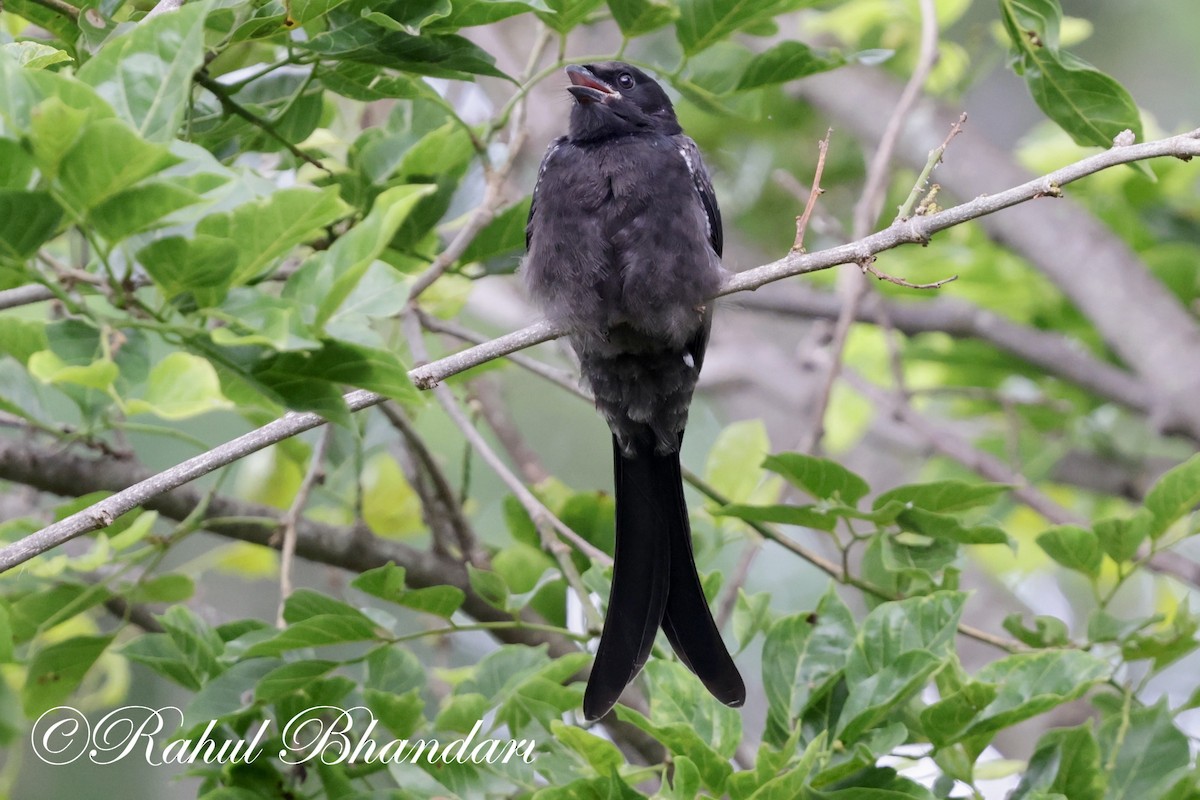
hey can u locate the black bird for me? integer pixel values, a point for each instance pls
(624, 245)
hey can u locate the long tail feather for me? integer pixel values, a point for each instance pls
(640, 578)
(655, 582)
(687, 620)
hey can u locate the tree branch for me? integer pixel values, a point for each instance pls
(916, 230)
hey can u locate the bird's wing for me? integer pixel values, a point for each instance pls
(704, 188)
(550, 151)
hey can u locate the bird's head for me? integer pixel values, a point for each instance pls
(612, 99)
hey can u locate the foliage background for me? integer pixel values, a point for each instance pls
(195, 275)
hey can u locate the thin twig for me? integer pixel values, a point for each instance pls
(486, 395)
(915, 230)
(935, 158)
(231, 106)
(740, 574)
(287, 524)
(951, 444)
(833, 569)
(815, 192)
(493, 192)
(544, 520)
(59, 7)
(869, 266)
(467, 544)
(853, 286)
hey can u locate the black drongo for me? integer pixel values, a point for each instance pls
(624, 246)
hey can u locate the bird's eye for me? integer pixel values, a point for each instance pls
(625, 80)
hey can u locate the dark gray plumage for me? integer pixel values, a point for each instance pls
(624, 245)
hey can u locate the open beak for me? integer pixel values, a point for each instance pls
(587, 88)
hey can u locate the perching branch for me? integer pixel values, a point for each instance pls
(915, 230)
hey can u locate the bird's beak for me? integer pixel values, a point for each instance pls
(587, 88)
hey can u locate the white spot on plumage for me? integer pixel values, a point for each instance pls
(687, 359)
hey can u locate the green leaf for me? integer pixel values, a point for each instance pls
(107, 158)
(34, 55)
(318, 631)
(27, 220)
(1173, 495)
(805, 516)
(734, 464)
(229, 693)
(1121, 538)
(290, 678)
(638, 17)
(47, 367)
(267, 229)
(146, 75)
(16, 166)
(568, 14)
(751, 615)
(943, 496)
(488, 585)
(1033, 683)
(485, 12)
(403, 714)
(1074, 548)
(820, 477)
(291, 373)
(1046, 631)
(873, 697)
(1066, 761)
(22, 338)
(179, 386)
(202, 265)
(703, 23)
(140, 208)
(894, 628)
(1144, 748)
(159, 652)
(387, 583)
(56, 670)
(1084, 102)
(168, 588)
(394, 670)
(503, 235)
(786, 61)
(435, 55)
(600, 754)
(941, 526)
(327, 280)
(803, 656)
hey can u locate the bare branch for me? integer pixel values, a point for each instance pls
(814, 193)
(24, 295)
(917, 229)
